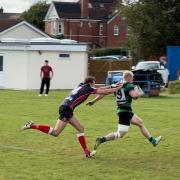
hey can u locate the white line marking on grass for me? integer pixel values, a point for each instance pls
(2, 146)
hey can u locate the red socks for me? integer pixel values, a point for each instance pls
(44, 128)
(82, 141)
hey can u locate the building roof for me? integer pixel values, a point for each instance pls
(6, 24)
(18, 24)
(8, 20)
(98, 9)
(10, 16)
(68, 9)
(42, 44)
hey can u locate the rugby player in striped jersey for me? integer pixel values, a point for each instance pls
(66, 112)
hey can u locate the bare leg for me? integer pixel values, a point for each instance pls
(139, 122)
(76, 124)
(122, 130)
(112, 136)
(60, 125)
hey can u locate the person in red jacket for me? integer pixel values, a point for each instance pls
(46, 75)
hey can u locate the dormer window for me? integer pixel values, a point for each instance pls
(101, 5)
(58, 28)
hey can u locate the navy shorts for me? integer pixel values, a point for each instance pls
(125, 118)
(65, 113)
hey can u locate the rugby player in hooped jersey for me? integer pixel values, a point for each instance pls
(124, 98)
(76, 97)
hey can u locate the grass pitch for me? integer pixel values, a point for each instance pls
(32, 155)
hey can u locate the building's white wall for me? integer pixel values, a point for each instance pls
(22, 67)
(15, 69)
(67, 73)
(22, 31)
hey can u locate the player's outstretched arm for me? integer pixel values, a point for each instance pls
(106, 91)
(97, 98)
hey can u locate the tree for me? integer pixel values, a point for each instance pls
(36, 14)
(153, 25)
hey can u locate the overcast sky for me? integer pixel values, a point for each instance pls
(18, 6)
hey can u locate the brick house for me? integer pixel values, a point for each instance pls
(97, 22)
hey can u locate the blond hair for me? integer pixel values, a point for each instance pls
(127, 74)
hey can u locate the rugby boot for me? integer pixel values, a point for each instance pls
(27, 125)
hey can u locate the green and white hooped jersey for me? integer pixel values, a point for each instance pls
(123, 98)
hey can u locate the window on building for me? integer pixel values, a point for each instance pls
(128, 30)
(89, 24)
(90, 5)
(101, 5)
(101, 29)
(1, 63)
(64, 56)
(116, 30)
(60, 29)
(57, 28)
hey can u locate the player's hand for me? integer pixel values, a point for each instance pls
(90, 103)
(119, 85)
(116, 85)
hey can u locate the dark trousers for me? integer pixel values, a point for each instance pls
(45, 81)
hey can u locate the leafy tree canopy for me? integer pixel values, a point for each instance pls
(36, 14)
(153, 24)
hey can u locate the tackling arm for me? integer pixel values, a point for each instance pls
(105, 91)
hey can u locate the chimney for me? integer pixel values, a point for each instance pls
(1, 10)
(84, 8)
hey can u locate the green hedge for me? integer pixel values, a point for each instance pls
(107, 51)
(174, 87)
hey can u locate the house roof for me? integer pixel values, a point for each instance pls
(6, 24)
(8, 20)
(10, 26)
(10, 16)
(100, 10)
(68, 9)
(42, 44)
